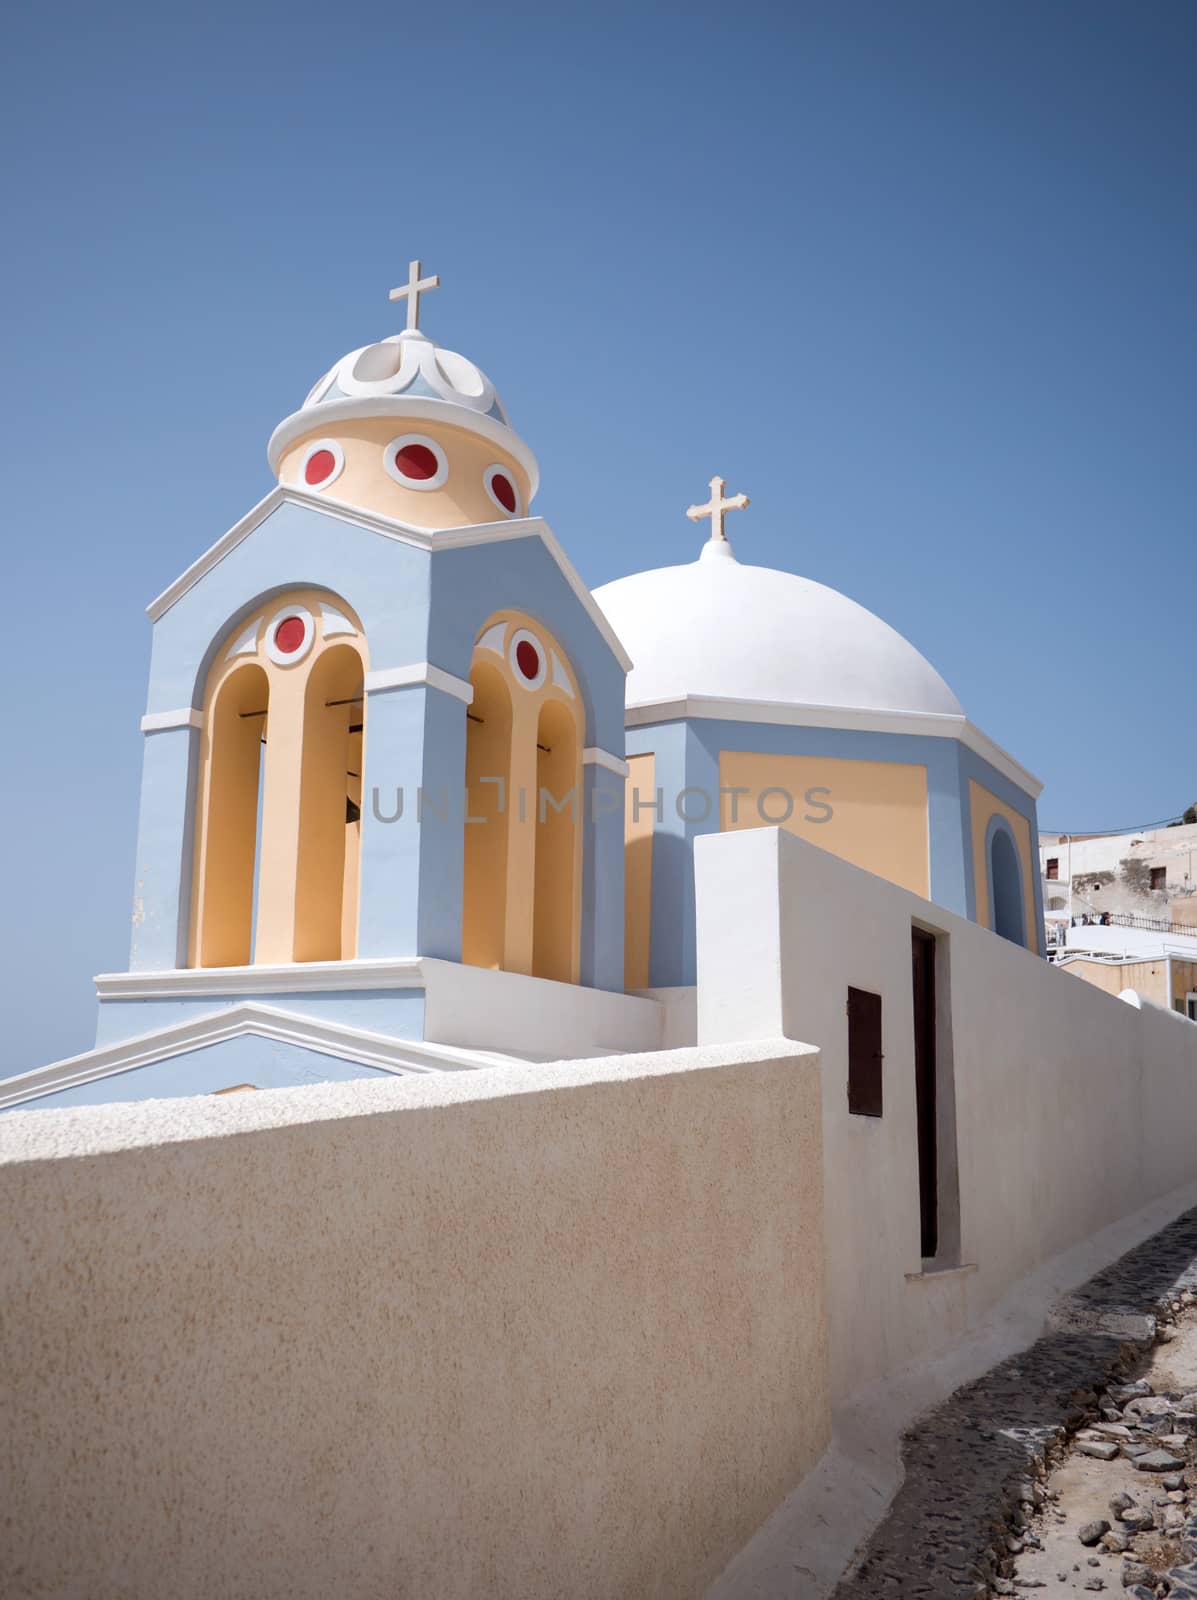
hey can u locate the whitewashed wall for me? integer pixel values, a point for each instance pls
(1072, 1108)
(525, 1332)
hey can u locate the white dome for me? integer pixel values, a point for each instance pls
(719, 629)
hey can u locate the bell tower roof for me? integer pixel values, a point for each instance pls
(406, 375)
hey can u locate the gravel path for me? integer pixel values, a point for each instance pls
(977, 1495)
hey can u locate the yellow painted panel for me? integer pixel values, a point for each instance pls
(638, 870)
(872, 813)
(231, 766)
(1149, 978)
(983, 806)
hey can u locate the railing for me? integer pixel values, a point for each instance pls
(1128, 919)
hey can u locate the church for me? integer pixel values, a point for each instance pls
(414, 799)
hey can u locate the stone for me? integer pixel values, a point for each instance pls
(1099, 1449)
(1156, 1461)
(1109, 1430)
(1092, 1531)
(1175, 1442)
(1145, 1406)
(1121, 1502)
(1116, 1542)
(1095, 1584)
(1120, 1393)
(1141, 1518)
(1174, 1480)
(1136, 1572)
(1188, 1404)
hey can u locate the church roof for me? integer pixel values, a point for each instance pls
(406, 375)
(717, 628)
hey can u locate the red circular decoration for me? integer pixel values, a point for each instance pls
(503, 490)
(321, 464)
(527, 658)
(416, 461)
(289, 635)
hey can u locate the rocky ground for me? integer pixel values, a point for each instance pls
(1120, 1511)
(1088, 1435)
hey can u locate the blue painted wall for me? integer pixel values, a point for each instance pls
(415, 606)
(687, 758)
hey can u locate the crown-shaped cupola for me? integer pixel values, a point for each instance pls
(410, 430)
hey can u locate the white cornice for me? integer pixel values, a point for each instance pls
(926, 724)
(420, 673)
(433, 540)
(185, 717)
(300, 977)
(398, 1056)
(595, 756)
(989, 750)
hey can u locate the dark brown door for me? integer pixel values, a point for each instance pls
(865, 1060)
(923, 974)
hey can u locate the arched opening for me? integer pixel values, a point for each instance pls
(1005, 887)
(488, 800)
(232, 762)
(558, 806)
(330, 794)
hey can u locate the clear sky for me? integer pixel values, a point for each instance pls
(917, 276)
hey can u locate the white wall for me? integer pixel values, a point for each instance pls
(1072, 1108)
(1132, 942)
(524, 1332)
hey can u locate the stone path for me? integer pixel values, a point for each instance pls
(1119, 1512)
(977, 1466)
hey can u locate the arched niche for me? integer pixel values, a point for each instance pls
(488, 813)
(330, 810)
(231, 755)
(1006, 910)
(278, 815)
(521, 901)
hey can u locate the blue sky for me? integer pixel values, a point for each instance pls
(917, 276)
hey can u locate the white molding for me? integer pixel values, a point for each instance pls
(459, 538)
(493, 638)
(334, 623)
(420, 674)
(526, 636)
(335, 451)
(300, 977)
(185, 717)
(926, 724)
(394, 471)
(397, 1056)
(497, 469)
(989, 750)
(282, 658)
(560, 675)
(246, 642)
(595, 756)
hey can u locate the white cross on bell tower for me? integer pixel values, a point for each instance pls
(412, 290)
